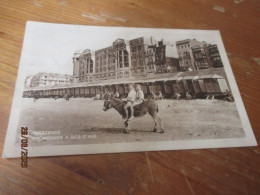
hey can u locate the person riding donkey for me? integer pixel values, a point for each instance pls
(129, 101)
(139, 96)
(133, 99)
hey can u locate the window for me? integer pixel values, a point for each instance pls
(91, 68)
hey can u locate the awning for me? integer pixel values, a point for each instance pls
(179, 79)
(176, 76)
(196, 78)
(210, 76)
(215, 76)
(188, 77)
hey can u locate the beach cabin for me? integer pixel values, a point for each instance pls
(212, 84)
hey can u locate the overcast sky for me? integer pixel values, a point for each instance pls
(50, 47)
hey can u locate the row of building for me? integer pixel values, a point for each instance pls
(47, 79)
(143, 57)
(134, 58)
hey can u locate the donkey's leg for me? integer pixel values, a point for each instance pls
(155, 123)
(160, 123)
(153, 115)
(127, 128)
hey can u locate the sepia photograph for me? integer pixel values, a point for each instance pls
(86, 89)
(129, 97)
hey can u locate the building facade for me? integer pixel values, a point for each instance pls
(28, 80)
(185, 53)
(105, 64)
(165, 61)
(108, 63)
(141, 57)
(138, 49)
(214, 55)
(122, 58)
(49, 79)
(201, 58)
(160, 58)
(83, 66)
(150, 59)
(196, 55)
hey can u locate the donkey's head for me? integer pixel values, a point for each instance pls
(107, 103)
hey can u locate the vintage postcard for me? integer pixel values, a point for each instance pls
(88, 89)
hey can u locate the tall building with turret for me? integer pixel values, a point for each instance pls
(83, 66)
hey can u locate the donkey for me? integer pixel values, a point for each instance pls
(148, 106)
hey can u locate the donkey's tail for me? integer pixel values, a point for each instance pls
(157, 108)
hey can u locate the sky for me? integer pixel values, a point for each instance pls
(50, 47)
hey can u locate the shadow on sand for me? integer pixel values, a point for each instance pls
(113, 130)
